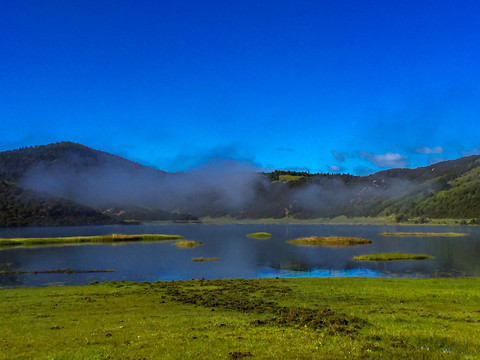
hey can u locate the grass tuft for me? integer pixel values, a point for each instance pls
(333, 241)
(201, 259)
(187, 243)
(397, 256)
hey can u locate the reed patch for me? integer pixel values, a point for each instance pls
(396, 256)
(332, 241)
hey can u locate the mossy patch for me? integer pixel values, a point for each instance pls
(397, 256)
(333, 241)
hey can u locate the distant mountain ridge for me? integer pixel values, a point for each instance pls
(68, 183)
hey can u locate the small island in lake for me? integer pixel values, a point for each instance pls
(112, 238)
(445, 234)
(202, 259)
(397, 256)
(333, 241)
(260, 235)
(187, 243)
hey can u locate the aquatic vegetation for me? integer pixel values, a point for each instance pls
(112, 238)
(333, 241)
(396, 256)
(200, 259)
(260, 235)
(187, 243)
(446, 234)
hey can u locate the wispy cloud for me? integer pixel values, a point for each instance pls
(340, 157)
(386, 160)
(435, 160)
(192, 158)
(474, 151)
(336, 168)
(361, 170)
(284, 149)
(427, 150)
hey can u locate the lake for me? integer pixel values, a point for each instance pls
(240, 257)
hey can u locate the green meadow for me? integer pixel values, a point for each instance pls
(317, 318)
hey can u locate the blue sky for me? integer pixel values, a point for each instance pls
(351, 86)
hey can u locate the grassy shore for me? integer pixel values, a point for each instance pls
(339, 220)
(333, 241)
(396, 256)
(112, 238)
(329, 318)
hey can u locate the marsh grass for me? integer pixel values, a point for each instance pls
(329, 318)
(444, 234)
(112, 238)
(332, 241)
(201, 259)
(260, 235)
(187, 243)
(396, 256)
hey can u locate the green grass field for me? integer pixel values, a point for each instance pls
(330, 318)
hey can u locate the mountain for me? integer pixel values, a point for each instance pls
(449, 189)
(106, 187)
(71, 183)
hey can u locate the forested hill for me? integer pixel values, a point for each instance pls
(71, 183)
(448, 189)
(14, 164)
(23, 207)
(59, 184)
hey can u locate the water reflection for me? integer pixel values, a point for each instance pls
(240, 256)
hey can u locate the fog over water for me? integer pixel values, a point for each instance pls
(217, 188)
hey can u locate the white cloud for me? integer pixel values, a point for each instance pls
(336, 168)
(386, 160)
(427, 150)
(435, 160)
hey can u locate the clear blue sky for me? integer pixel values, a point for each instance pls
(324, 85)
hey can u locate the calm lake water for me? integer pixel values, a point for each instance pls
(241, 257)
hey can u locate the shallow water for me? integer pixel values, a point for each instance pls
(240, 256)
